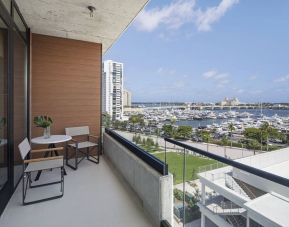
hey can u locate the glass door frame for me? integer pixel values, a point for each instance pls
(7, 18)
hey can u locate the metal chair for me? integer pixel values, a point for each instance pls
(34, 165)
(82, 146)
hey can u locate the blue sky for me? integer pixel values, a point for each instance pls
(205, 50)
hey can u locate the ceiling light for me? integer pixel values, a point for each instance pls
(91, 9)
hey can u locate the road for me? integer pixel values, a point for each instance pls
(229, 152)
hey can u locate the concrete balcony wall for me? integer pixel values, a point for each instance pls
(153, 189)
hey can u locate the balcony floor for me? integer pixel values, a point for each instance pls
(94, 197)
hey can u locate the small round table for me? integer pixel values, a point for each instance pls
(51, 141)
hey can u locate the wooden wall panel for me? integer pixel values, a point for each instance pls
(66, 83)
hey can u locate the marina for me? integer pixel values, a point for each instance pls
(217, 119)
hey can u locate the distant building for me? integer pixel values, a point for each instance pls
(112, 89)
(230, 102)
(126, 98)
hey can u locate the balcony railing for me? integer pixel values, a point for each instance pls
(211, 174)
(258, 172)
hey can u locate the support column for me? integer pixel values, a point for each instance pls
(203, 220)
(203, 217)
(203, 193)
(248, 221)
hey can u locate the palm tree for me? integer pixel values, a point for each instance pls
(231, 128)
(254, 145)
(134, 119)
(173, 120)
(224, 143)
(266, 128)
(206, 136)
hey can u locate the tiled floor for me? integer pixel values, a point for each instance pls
(94, 197)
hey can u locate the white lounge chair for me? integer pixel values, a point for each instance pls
(34, 165)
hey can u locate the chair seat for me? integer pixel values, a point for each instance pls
(84, 144)
(43, 165)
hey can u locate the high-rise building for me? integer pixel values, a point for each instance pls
(112, 89)
(126, 98)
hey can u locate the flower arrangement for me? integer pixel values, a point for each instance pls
(43, 122)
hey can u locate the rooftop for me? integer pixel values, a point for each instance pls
(277, 211)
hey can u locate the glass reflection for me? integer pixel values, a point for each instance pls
(3, 106)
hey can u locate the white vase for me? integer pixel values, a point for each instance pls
(46, 133)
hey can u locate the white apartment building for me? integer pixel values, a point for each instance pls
(126, 98)
(233, 197)
(112, 89)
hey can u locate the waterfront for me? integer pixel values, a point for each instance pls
(256, 113)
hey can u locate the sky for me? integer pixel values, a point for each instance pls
(205, 50)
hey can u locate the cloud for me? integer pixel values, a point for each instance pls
(282, 79)
(214, 74)
(166, 72)
(221, 76)
(221, 79)
(181, 12)
(173, 15)
(210, 74)
(205, 19)
(222, 83)
(253, 77)
(160, 70)
(256, 92)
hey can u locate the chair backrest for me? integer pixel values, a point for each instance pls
(77, 131)
(24, 148)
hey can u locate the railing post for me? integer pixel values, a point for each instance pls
(165, 152)
(184, 187)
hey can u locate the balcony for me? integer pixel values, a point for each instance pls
(111, 193)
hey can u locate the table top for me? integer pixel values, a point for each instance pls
(51, 140)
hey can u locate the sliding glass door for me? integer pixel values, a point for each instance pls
(20, 101)
(13, 96)
(3, 106)
(5, 179)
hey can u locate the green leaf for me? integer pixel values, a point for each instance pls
(42, 121)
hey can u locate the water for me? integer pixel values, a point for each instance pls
(204, 122)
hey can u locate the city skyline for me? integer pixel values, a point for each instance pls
(192, 51)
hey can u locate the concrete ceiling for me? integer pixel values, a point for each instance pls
(71, 18)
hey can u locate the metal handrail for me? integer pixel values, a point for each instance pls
(252, 195)
(261, 173)
(231, 183)
(227, 207)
